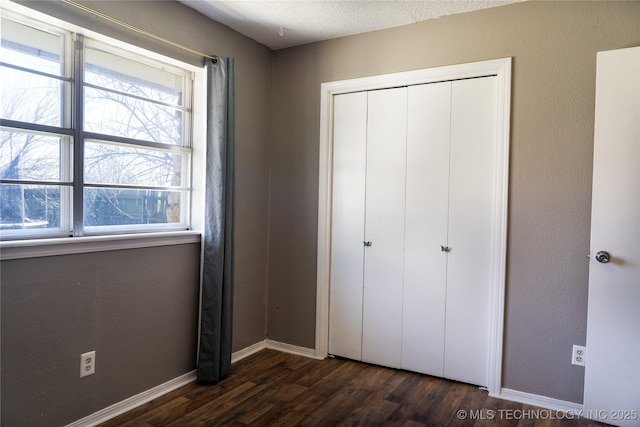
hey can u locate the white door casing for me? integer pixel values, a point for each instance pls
(612, 370)
(501, 68)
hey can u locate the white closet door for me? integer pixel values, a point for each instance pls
(428, 133)
(384, 227)
(347, 234)
(471, 202)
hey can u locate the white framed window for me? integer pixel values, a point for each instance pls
(97, 137)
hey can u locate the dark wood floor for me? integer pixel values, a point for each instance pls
(271, 388)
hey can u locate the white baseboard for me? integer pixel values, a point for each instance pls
(273, 345)
(293, 349)
(541, 401)
(248, 351)
(121, 407)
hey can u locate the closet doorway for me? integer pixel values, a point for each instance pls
(496, 71)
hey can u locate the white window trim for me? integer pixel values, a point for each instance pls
(32, 248)
(20, 249)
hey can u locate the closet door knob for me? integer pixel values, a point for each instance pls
(603, 257)
(367, 243)
(445, 248)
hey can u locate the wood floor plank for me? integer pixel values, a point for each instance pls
(160, 414)
(430, 403)
(409, 394)
(340, 402)
(379, 413)
(309, 372)
(445, 412)
(489, 412)
(376, 401)
(249, 412)
(214, 409)
(270, 388)
(472, 398)
(289, 419)
(258, 405)
(365, 404)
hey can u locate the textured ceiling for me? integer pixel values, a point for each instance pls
(284, 23)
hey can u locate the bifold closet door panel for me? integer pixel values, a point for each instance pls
(384, 226)
(425, 278)
(471, 213)
(347, 249)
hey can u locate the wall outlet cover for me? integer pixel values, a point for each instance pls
(579, 355)
(87, 364)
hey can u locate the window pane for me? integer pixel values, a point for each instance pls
(29, 206)
(31, 156)
(118, 73)
(119, 164)
(31, 48)
(31, 98)
(111, 206)
(119, 115)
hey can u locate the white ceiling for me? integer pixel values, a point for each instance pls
(284, 23)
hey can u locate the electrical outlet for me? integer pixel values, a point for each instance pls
(87, 364)
(579, 355)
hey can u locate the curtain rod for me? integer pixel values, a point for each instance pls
(136, 29)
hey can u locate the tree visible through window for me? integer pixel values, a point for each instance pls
(125, 150)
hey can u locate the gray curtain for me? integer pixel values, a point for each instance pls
(216, 307)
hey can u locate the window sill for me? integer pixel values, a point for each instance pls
(20, 249)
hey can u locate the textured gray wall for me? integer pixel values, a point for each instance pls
(553, 45)
(138, 309)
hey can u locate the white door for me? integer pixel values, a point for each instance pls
(384, 227)
(472, 200)
(347, 233)
(451, 152)
(425, 281)
(612, 370)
